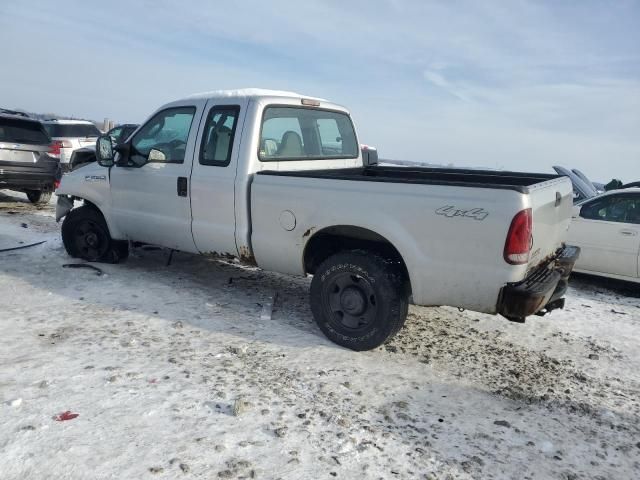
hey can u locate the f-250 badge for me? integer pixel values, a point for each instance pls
(451, 211)
(95, 178)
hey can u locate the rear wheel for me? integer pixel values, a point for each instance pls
(38, 197)
(359, 299)
(85, 235)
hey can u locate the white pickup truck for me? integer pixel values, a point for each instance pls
(279, 180)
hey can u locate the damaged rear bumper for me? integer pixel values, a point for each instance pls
(543, 289)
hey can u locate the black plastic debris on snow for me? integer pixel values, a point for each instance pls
(83, 265)
(22, 246)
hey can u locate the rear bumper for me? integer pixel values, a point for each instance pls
(29, 178)
(542, 290)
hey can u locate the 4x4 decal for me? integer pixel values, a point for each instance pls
(451, 211)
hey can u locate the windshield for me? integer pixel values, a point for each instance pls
(56, 130)
(21, 131)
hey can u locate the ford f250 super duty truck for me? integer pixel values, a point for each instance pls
(279, 180)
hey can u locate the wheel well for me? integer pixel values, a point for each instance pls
(87, 203)
(332, 240)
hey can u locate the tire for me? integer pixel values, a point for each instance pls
(38, 197)
(359, 299)
(85, 235)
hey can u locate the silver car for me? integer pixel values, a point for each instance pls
(69, 135)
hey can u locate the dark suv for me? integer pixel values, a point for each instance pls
(25, 163)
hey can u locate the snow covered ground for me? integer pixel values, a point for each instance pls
(174, 374)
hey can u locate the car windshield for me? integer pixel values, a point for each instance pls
(72, 130)
(22, 131)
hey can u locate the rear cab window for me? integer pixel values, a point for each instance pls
(22, 131)
(300, 133)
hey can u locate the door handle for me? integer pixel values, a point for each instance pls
(628, 233)
(182, 186)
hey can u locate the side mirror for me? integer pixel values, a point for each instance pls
(369, 156)
(104, 151)
(157, 156)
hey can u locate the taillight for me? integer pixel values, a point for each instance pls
(56, 145)
(56, 184)
(54, 149)
(518, 245)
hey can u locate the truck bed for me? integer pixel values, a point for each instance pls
(451, 237)
(458, 177)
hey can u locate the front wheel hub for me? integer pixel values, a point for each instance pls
(350, 301)
(92, 239)
(353, 301)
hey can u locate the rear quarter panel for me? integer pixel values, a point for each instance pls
(451, 238)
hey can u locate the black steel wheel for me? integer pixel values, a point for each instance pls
(85, 235)
(359, 299)
(91, 239)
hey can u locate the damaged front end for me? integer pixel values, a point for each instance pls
(542, 291)
(63, 206)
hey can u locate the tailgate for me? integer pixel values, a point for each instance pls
(552, 207)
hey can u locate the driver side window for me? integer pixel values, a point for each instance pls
(166, 132)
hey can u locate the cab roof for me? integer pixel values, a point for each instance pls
(250, 93)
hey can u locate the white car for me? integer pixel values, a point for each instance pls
(607, 230)
(279, 180)
(69, 135)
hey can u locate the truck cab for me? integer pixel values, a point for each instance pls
(183, 179)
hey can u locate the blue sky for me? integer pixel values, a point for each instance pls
(519, 85)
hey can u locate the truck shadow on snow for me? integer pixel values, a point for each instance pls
(213, 294)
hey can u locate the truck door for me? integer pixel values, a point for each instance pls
(150, 189)
(213, 179)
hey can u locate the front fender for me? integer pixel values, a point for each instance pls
(90, 183)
